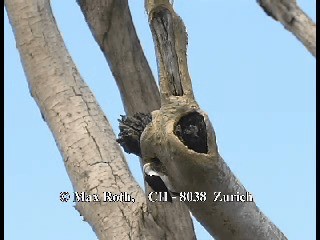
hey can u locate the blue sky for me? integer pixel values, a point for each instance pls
(252, 77)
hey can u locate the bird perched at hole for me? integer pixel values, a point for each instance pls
(131, 128)
(156, 177)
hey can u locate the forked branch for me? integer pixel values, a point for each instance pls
(176, 137)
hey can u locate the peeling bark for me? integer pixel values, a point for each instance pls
(290, 15)
(198, 174)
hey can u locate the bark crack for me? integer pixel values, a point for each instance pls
(163, 32)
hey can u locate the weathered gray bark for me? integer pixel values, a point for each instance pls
(86, 141)
(111, 23)
(93, 159)
(188, 170)
(290, 15)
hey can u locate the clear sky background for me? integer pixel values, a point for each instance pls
(252, 77)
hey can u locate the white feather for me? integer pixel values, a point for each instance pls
(148, 170)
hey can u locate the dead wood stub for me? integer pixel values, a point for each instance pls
(191, 130)
(131, 128)
(163, 33)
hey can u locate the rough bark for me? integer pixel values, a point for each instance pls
(290, 15)
(199, 174)
(93, 159)
(110, 23)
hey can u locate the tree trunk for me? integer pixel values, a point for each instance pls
(182, 138)
(93, 159)
(110, 22)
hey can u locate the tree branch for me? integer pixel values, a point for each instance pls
(190, 157)
(290, 15)
(110, 23)
(93, 160)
